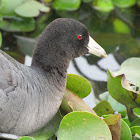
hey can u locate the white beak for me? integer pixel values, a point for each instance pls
(95, 48)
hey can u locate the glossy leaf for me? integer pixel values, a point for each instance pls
(130, 68)
(137, 111)
(114, 123)
(18, 25)
(113, 119)
(26, 138)
(121, 27)
(124, 3)
(78, 85)
(125, 131)
(8, 6)
(103, 5)
(72, 102)
(0, 39)
(117, 91)
(117, 107)
(82, 126)
(31, 9)
(136, 122)
(103, 108)
(66, 4)
(135, 129)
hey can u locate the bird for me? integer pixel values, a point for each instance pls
(30, 96)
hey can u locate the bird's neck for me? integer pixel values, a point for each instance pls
(53, 61)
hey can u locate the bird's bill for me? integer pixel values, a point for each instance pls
(95, 48)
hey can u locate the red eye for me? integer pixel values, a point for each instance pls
(79, 37)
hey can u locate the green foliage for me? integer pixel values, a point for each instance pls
(66, 4)
(26, 138)
(78, 85)
(103, 108)
(125, 131)
(83, 125)
(103, 5)
(31, 9)
(18, 25)
(121, 27)
(124, 3)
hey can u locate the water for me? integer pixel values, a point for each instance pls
(118, 32)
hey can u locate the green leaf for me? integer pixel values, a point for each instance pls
(8, 6)
(0, 39)
(103, 5)
(18, 25)
(113, 119)
(130, 69)
(121, 27)
(117, 91)
(138, 2)
(31, 9)
(125, 131)
(72, 102)
(124, 3)
(117, 107)
(103, 108)
(135, 129)
(83, 126)
(68, 5)
(137, 111)
(26, 138)
(127, 121)
(136, 122)
(78, 85)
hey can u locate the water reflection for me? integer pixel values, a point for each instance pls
(117, 32)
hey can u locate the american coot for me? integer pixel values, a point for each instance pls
(31, 96)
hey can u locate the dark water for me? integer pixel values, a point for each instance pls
(118, 32)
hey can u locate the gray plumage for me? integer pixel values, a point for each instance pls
(31, 96)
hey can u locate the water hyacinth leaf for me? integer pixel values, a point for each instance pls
(137, 111)
(31, 9)
(127, 121)
(66, 5)
(0, 39)
(103, 108)
(8, 6)
(82, 126)
(103, 5)
(72, 102)
(130, 68)
(136, 122)
(114, 123)
(26, 138)
(18, 25)
(117, 91)
(124, 3)
(112, 119)
(78, 85)
(117, 107)
(121, 27)
(135, 129)
(125, 131)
